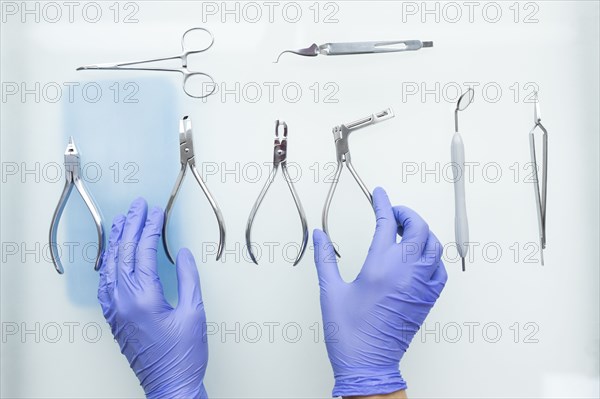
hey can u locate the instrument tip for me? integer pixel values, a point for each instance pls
(278, 57)
(427, 44)
(463, 265)
(71, 147)
(86, 67)
(185, 124)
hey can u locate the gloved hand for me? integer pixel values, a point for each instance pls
(370, 322)
(166, 347)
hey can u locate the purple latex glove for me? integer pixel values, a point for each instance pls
(166, 347)
(376, 316)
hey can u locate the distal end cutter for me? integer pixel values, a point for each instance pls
(279, 159)
(73, 178)
(186, 153)
(341, 135)
(540, 196)
(358, 48)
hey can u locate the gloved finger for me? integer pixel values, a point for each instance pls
(188, 281)
(136, 218)
(435, 285)
(325, 260)
(108, 270)
(145, 257)
(386, 228)
(415, 230)
(102, 280)
(432, 254)
(440, 274)
(105, 290)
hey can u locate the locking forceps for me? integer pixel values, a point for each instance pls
(341, 134)
(187, 158)
(189, 87)
(73, 178)
(279, 159)
(540, 196)
(358, 48)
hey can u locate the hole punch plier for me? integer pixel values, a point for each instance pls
(279, 159)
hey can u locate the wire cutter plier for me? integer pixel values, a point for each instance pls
(73, 178)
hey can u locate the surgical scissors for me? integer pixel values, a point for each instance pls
(187, 74)
(358, 48)
(186, 154)
(540, 197)
(73, 178)
(279, 159)
(341, 134)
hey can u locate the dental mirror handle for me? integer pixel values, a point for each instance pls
(461, 224)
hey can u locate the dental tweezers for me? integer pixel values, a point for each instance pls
(540, 196)
(73, 178)
(341, 134)
(279, 159)
(187, 159)
(358, 48)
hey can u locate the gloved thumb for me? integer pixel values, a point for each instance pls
(325, 260)
(188, 280)
(386, 229)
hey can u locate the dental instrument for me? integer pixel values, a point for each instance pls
(358, 48)
(341, 134)
(187, 159)
(461, 224)
(191, 89)
(279, 159)
(540, 196)
(73, 178)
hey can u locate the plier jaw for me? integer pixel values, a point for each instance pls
(72, 161)
(280, 144)
(186, 142)
(341, 133)
(340, 137)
